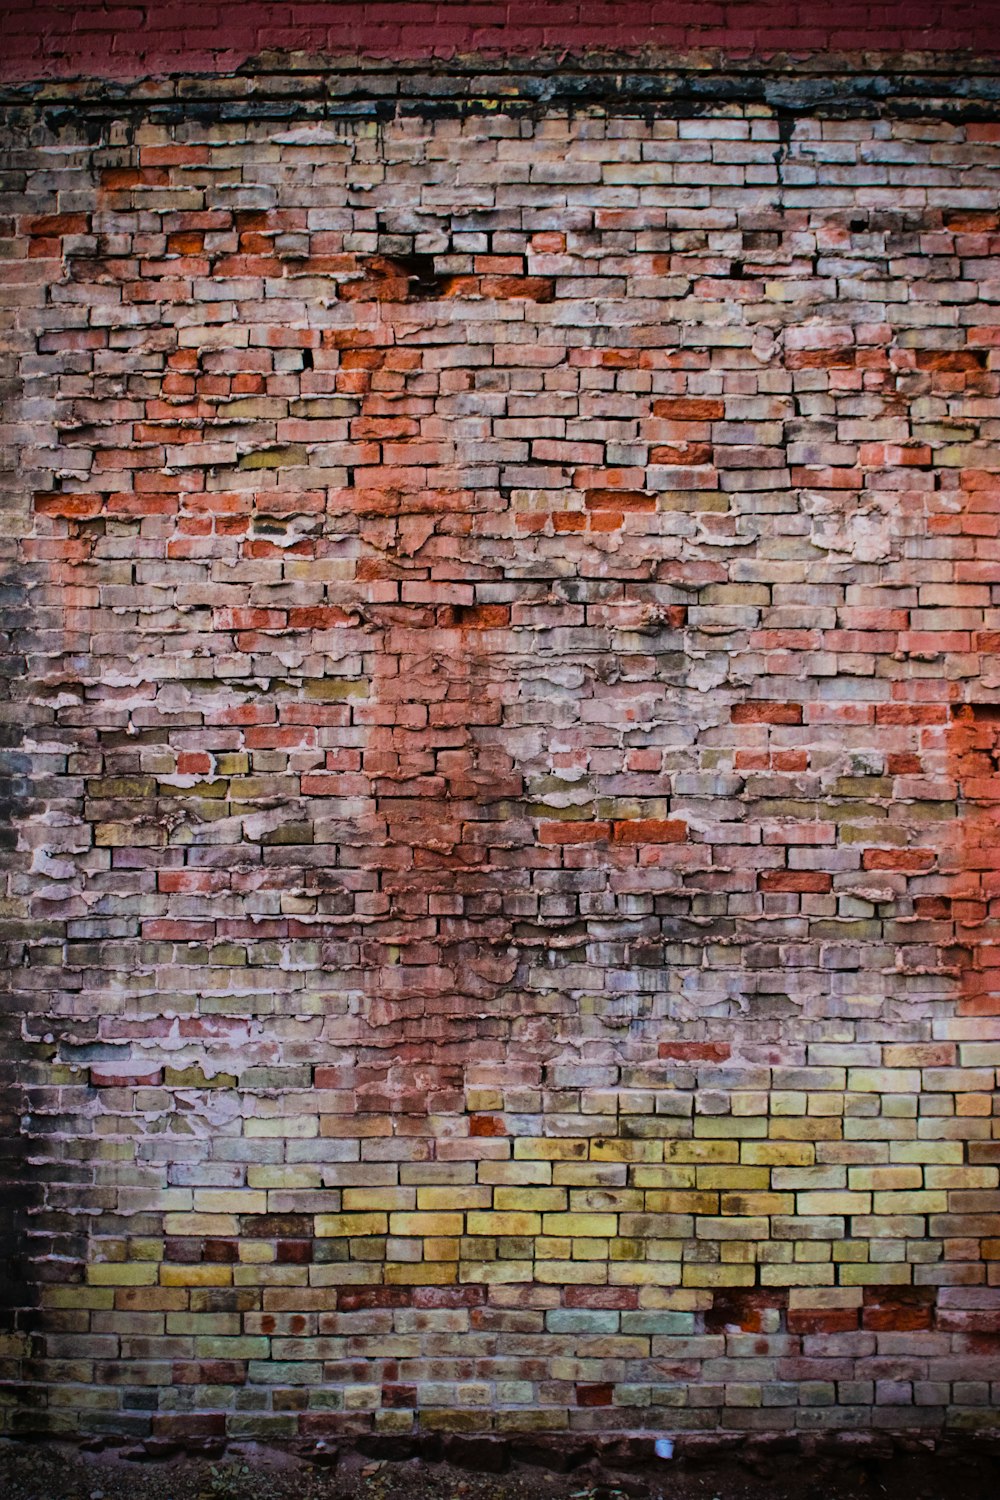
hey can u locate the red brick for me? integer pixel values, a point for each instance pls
(758, 712)
(649, 831)
(690, 409)
(72, 507)
(620, 500)
(573, 832)
(695, 1051)
(595, 1395)
(109, 1078)
(897, 859)
(805, 881)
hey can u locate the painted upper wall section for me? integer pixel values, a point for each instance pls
(87, 38)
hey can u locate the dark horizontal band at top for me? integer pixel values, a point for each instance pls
(940, 86)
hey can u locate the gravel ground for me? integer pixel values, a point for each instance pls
(57, 1472)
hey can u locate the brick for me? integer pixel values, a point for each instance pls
(795, 880)
(649, 831)
(572, 832)
(760, 712)
(689, 409)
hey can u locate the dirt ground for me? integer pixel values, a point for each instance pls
(58, 1472)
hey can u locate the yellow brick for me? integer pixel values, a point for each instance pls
(724, 1127)
(877, 1275)
(602, 1150)
(395, 1422)
(701, 1151)
(883, 1080)
(912, 1054)
(523, 1173)
(438, 1273)
(77, 1395)
(581, 1224)
(681, 1203)
(661, 1250)
(961, 1177)
(787, 1102)
(734, 1178)
(340, 1225)
(431, 1224)
(694, 1275)
(808, 1128)
(298, 1127)
(224, 1226)
(344, 1273)
(449, 1199)
(866, 1179)
(973, 1106)
(145, 1249)
(675, 1299)
(81, 1298)
(590, 1249)
(851, 1250)
(269, 1275)
(797, 1275)
(825, 1104)
(532, 1148)
(662, 1274)
(821, 1297)
(606, 1200)
(707, 1228)
(738, 1252)
(477, 1100)
(823, 1203)
(229, 1201)
(911, 1203)
(256, 1252)
(116, 1273)
(813, 1250)
(758, 1203)
(664, 1177)
(209, 1275)
(746, 1103)
(384, 1199)
(502, 1223)
(563, 1272)
(589, 1173)
(361, 1398)
(940, 1153)
(531, 1200)
(496, 1272)
(553, 1247)
(285, 1178)
(778, 1154)
(441, 1249)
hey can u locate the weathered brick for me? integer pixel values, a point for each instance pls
(499, 692)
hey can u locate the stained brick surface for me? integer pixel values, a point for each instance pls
(503, 721)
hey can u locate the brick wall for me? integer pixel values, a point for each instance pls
(502, 717)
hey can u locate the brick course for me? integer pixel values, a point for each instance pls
(502, 728)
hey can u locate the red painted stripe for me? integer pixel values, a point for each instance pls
(119, 39)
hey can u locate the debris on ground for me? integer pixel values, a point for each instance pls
(67, 1472)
